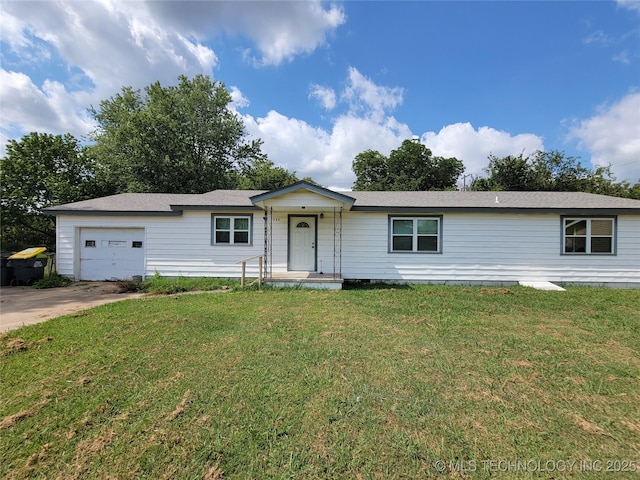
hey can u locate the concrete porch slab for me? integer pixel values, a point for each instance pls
(306, 280)
(542, 286)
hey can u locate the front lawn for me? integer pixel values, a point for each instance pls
(412, 382)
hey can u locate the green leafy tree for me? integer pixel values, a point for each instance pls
(262, 174)
(550, 171)
(371, 169)
(176, 139)
(507, 173)
(410, 167)
(38, 171)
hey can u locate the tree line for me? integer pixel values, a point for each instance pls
(177, 139)
(187, 139)
(413, 167)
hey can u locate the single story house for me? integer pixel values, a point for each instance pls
(306, 233)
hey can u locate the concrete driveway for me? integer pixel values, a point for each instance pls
(21, 306)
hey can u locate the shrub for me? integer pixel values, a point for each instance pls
(53, 280)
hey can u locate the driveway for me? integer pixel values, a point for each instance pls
(21, 306)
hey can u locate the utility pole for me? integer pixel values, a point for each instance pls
(464, 181)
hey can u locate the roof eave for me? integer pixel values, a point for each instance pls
(217, 208)
(525, 210)
(114, 213)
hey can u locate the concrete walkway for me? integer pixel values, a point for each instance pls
(20, 306)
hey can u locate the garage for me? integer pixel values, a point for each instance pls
(111, 253)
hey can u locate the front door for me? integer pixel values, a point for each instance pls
(302, 243)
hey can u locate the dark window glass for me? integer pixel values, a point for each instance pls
(240, 237)
(428, 244)
(403, 243)
(222, 237)
(601, 245)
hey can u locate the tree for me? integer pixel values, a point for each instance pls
(38, 171)
(371, 171)
(410, 167)
(262, 174)
(550, 171)
(507, 173)
(176, 139)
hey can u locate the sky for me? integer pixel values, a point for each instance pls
(320, 82)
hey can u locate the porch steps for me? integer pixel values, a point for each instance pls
(317, 281)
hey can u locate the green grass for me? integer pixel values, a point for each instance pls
(364, 383)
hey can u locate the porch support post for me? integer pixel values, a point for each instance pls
(340, 240)
(337, 242)
(268, 242)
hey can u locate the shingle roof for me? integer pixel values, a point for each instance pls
(173, 204)
(156, 203)
(491, 200)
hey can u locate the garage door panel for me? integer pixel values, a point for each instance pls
(111, 253)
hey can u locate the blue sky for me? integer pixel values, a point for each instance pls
(320, 82)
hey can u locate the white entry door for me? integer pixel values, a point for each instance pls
(302, 244)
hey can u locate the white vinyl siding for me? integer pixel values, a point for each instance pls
(491, 248)
(175, 246)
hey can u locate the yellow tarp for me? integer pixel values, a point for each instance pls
(28, 253)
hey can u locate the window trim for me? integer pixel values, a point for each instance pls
(588, 236)
(415, 235)
(231, 230)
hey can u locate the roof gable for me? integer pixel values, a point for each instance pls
(318, 196)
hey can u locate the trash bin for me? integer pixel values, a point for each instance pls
(6, 272)
(28, 265)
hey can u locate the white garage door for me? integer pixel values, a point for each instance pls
(111, 253)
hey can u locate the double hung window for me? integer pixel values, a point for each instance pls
(588, 236)
(231, 230)
(414, 234)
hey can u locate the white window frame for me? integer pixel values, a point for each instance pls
(231, 230)
(566, 221)
(415, 235)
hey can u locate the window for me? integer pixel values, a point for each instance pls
(588, 236)
(419, 234)
(231, 230)
(136, 244)
(90, 243)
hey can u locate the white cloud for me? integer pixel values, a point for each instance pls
(238, 100)
(633, 5)
(622, 57)
(326, 156)
(107, 44)
(49, 108)
(473, 147)
(364, 96)
(283, 30)
(325, 95)
(612, 136)
(279, 30)
(598, 37)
